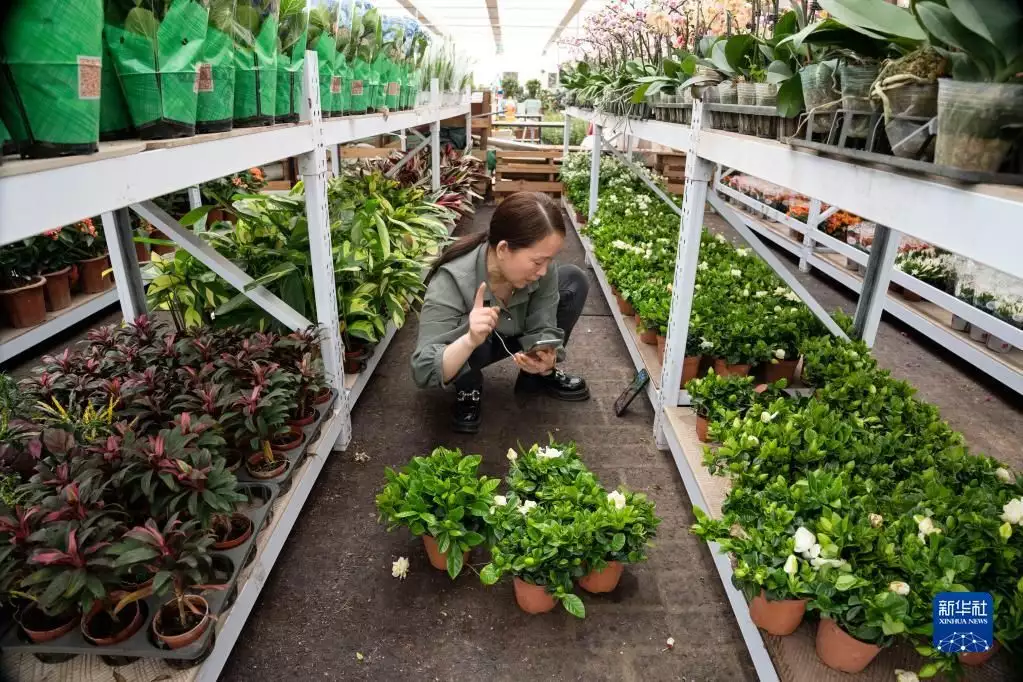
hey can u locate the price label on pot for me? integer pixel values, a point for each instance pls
(335, 85)
(356, 88)
(963, 622)
(90, 70)
(204, 83)
(393, 88)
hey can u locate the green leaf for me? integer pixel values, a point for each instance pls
(943, 25)
(454, 562)
(617, 542)
(790, 97)
(845, 582)
(929, 670)
(996, 21)
(875, 15)
(574, 605)
(489, 575)
(779, 72)
(195, 215)
(736, 49)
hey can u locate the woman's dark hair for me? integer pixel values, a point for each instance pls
(521, 220)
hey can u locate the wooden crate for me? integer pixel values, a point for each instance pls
(527, 171)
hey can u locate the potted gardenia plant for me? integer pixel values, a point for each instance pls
(542, 547)
(620, 528)
(442, 498)
(714, 396)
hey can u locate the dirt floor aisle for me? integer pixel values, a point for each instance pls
(331, 594)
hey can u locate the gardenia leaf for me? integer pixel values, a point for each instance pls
(574, 605)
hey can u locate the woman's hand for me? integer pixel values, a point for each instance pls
(539, 362)
(482, 319)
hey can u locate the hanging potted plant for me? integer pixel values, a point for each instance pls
(622, 526)
(181, 554)
(542, 549)
(21, 293)
(442, 498)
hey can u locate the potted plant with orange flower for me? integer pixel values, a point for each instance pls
(223, 192)
(90, 249)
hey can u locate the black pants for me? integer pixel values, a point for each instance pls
(573, 286)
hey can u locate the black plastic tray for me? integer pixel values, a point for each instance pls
(295, 457)
(143, 644)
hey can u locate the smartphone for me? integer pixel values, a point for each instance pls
(639, 381)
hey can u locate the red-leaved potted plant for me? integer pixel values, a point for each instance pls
(93, 257)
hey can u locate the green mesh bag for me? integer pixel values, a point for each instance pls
(51, 63)
(320, 39)
(157, 46)
(391, 54)
(114, 117)
(215, 107)
(365, 38)
(290, 58)
(255, 62)
(341, 102)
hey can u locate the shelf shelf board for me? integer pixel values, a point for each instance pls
(976, 221)
(13, 342)
(351, 128)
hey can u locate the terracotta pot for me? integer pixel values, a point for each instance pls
(533, 598)
(701, 428)
(723, 369)
(255, 458)
(306, 420)
(580, 218)
(661, 340)
(141, 252)
(624, 306)
(41, 628)
(691, 368)
(977, 658)
(185, 638)
(322, 397)
(57, 289)
(289, 441)
(438, 559)
(839, 650)
(25, 306)
(777, 617)
(235, 541)
(648, 336)
(93, 280)
(126, 632)
(603, 580)
(354, 360)
(783, 369)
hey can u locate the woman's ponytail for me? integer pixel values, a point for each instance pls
(457, 249)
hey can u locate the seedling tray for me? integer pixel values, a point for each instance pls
(144, 644)
(311, 433)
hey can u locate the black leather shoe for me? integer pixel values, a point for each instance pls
(467, 413)
(557, 384)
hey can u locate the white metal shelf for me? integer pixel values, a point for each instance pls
(922, 316)
(351, 128)
(14, 342)
(977, 221)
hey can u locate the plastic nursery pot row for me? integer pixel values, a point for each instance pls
(289, 451)
(26, 306)
(140, 640)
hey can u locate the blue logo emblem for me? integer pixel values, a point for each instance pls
(963, 622)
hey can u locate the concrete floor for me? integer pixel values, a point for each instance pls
(332, 596)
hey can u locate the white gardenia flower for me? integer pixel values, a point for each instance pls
(898, 587)
(548, 453)
(1004, 475)
(791, 564)
(760, 294)
(779, 353)
(525, 507)
(767, 417)
(720, 238)
(876, 520)
(777, 308)
(791, 296)
(500, 500)
(1012, 512)
(617, 499)
(780, 291)
(742, 252)
(705, 344)
(745, 293)
(736, 273)
(399, 569)
(905, 676)
(703, 265)
(927, 527)
(512, 455)
(822, 563)
(805, 539)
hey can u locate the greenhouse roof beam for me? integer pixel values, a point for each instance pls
(495, 25)
(569, 15)
(419, 16)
